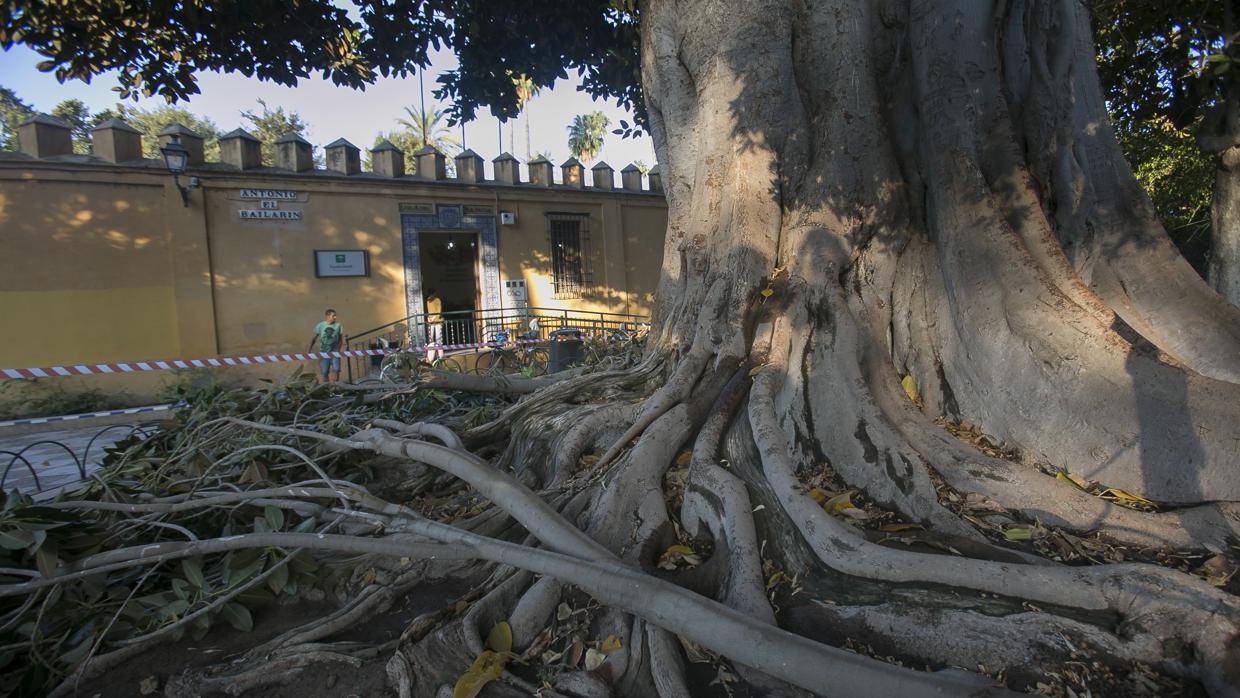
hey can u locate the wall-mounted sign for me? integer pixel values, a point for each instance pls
(267, 214)
(479, 210)
(281, 194)
(341, 263)
(269, 202)
(417, 208)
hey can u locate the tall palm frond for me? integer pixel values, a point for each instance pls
(585, 135)
(430, 127)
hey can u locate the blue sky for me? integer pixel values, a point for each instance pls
(334, 112)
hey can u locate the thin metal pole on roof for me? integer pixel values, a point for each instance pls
(422, 96)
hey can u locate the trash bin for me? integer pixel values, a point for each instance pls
(565, 349)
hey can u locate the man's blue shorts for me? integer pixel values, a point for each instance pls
(331, 365)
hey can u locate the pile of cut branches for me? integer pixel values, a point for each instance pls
(66, 604)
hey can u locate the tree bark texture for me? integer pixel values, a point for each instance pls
(1224, 269)
(938, 183)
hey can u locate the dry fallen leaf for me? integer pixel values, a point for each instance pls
(1018, 533)
(574, 653)
(839, 503)
(676, 554)
(500, 638)
(910, 387)
(1075, 480)
(897, 527)
(594, 659)
(485, 669)
(1126, 496)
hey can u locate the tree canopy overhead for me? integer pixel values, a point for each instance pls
(157, 48)
(1153, 58)
(1169, 74)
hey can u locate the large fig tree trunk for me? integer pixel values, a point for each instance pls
(936, 182)
(1224, 270)
(891, 223)
(1220, 136)
(903, 213)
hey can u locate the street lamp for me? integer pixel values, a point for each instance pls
(176, 157)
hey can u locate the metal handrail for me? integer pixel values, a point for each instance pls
(478, 326)
(419, 319)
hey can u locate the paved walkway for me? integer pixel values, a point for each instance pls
(40, 460)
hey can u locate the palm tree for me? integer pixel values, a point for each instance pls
(526, 90)
(430, 127)
(585, 135)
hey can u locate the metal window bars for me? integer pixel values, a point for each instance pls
(568, 235)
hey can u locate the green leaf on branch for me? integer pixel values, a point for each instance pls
(47, 560)
(16, 539)
(238, 616)
(192, 569)
(274, 517)
(278, 579)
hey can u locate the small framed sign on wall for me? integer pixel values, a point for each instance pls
(341, 263)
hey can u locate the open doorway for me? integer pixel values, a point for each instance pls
(449, 265)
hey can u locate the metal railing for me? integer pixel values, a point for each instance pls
(481, 326)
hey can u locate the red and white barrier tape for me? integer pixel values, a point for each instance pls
(171, 364)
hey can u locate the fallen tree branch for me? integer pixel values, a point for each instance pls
(526, 507)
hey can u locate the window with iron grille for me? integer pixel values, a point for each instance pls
(569, 235)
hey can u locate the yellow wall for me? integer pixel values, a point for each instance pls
(102, 263)
(85, 273)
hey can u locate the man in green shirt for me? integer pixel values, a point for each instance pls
(330, 337)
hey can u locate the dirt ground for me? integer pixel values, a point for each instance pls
(320, 681)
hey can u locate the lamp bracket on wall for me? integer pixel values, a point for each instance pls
(176, 157)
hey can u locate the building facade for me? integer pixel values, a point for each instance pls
(103, 259)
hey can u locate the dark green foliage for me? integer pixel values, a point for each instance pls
(75, 113)
(1162, 76)
(151, 121)
(158, 47)
(43, 398)
(13, 111)
(1178, 176)
(269, 124)
(1152, 58)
